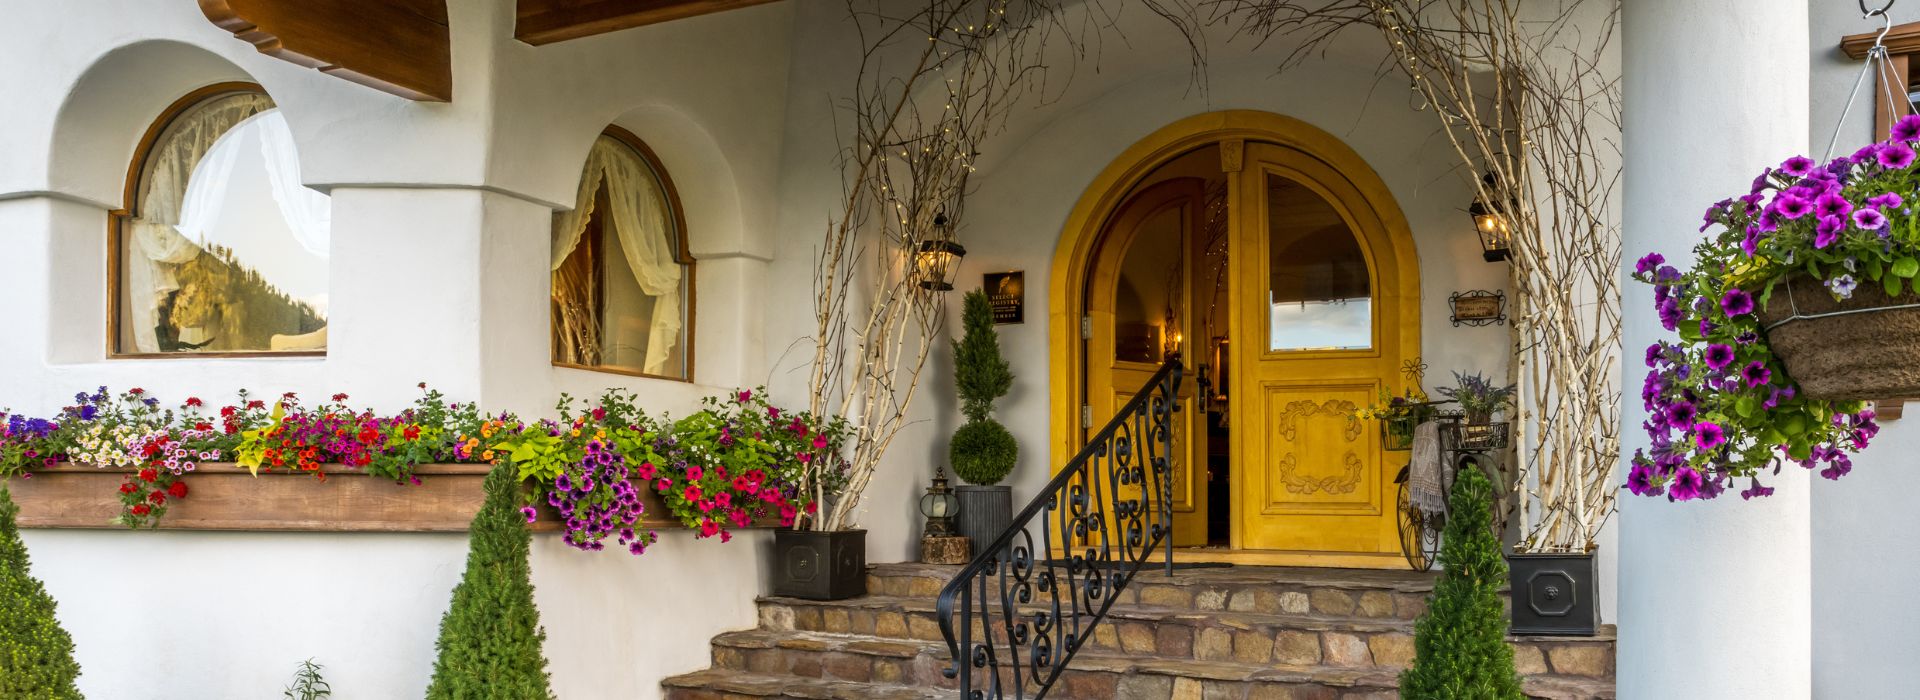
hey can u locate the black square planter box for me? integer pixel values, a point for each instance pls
(1554, 594)
(820, 565)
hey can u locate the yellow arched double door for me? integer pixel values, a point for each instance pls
(1274, 260)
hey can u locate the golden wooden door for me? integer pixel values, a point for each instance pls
(1140, 310)
(1323, 307)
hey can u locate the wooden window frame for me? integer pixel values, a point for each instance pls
(680, 254)
(130, 202)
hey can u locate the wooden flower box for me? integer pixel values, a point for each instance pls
(225, 497)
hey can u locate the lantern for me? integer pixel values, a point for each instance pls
(1492, 220)
(939, 505)
(938, 259)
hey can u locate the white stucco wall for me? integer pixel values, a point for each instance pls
(1863, 562)
(438, 273)
(1033, 174)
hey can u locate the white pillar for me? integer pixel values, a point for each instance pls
(1715, 597)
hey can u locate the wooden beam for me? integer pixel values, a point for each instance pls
(396, 46)
(547, 21)
(1902, 42)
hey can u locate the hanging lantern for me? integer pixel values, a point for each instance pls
(938, 260)
(939, 506)
(1493, 221)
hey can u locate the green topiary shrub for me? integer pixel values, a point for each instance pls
(980, 375)
(490, 638)
(36, 654)
(1460, 643)
(983, 452)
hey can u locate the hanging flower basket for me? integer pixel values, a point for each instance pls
(1477, 436)
(1864, 347)
(1396, 432)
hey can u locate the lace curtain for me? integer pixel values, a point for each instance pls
(639, 216)
(155, 240)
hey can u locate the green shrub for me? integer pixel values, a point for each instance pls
(1460, 643)
(36, 655)
(490, 638)
(983, 452)
(980, 375)
(308, 684)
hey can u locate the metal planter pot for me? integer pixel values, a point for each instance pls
(820, 565)
(985, 512)
(1554, 594)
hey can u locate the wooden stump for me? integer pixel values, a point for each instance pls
(945, 550)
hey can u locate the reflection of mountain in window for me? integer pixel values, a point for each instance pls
(225, 251)
(1319, 287)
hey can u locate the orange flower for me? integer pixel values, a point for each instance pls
(487, 455)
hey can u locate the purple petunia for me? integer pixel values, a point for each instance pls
(1843, 286)
(1681, 415)
(1797, 166)
(1686, 485)
(1719, 355)
(1828, 231)
(1640, 481)
(1907, 129)
(1757, 374)
(1890, 200)
(1737, 302)
(1869, 219)
(1649, 263)
(1831, 204)
(1894, 155)
(1792, 206)
(1756, 491)
(1709, 435)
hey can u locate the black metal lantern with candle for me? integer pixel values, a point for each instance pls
(938, 259)
(939, 506)
(1492, 214)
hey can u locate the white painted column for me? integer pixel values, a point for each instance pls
(1715, 597)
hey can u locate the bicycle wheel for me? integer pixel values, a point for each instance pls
(1414, 534)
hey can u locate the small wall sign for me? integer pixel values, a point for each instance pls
(1008, 292)
(1478, 307)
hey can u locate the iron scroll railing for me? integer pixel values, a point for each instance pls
(1108, 512)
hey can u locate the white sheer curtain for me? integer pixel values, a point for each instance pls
(155, 242)
(309, 214)
(641, 221)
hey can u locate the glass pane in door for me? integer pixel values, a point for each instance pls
(1320, 291)
(1148, 302)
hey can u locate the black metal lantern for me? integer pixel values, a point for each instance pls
(939, 505)
(938, 259)
(1493, 220)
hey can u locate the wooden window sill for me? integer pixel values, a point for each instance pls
(224, 496)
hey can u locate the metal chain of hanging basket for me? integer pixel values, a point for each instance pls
(1877, 63)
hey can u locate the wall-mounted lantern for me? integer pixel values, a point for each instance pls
(1493, 220)
(938, 259)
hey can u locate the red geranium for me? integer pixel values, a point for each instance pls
(141, 510)
(158, 497)
(149, 474)
(177, 489)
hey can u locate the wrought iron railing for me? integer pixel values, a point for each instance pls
(1106, 513)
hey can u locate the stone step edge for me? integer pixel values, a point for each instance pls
(1134, 612)
(1094, 661)
(779, 685)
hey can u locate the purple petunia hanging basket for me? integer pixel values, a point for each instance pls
(1865, 347)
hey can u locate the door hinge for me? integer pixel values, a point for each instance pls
(1086, 328)
(1086, 417)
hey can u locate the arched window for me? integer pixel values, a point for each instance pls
(220, 250)
(622, 296)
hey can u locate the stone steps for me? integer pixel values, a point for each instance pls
(1243, 633)
(1092, 675)
(1175, 633)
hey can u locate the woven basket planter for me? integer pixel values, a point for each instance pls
(1863, 348)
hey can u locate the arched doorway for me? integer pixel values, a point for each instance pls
(1269, 255)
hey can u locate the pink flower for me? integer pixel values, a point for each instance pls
(663, 485)
(819, 441)
(743, 396)
(694, 472)
(645, 471)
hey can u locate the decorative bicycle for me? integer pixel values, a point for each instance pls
(1462, 446)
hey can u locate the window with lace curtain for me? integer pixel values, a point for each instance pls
(221, 249)
(622, 280)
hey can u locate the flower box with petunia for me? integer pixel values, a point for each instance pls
(1802, 303)
(608, 471)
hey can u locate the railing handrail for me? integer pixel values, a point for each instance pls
(1164, 386)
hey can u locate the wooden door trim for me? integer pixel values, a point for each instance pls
(1108, 190)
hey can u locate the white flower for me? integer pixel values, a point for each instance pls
(1842, 286)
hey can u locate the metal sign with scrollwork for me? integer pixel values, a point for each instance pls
(1478, 307)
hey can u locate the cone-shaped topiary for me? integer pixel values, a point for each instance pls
(36, 654)
(982, 451)
(490, 638)
(979, 373)
(1460, 643)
